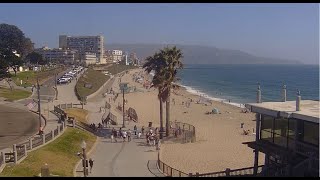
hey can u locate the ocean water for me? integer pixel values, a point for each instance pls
(238, 83)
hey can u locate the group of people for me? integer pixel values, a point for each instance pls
(122, 134)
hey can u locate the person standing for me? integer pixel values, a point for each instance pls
(142, 130)
(129, 135)
(124, 135)
(91, 164)
(135, 129)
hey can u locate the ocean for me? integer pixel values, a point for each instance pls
(238, 83)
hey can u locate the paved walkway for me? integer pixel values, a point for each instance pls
(121, 159)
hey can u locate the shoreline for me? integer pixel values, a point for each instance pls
(199, 93)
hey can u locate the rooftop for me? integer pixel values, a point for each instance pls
(309, 109)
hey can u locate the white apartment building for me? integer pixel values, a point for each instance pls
(117, 55)
(89, 58)
(68, 56)
(84, 44)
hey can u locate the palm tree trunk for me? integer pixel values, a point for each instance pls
(168, 116)
(161, 119)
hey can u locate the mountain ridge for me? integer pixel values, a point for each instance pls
(200, 54)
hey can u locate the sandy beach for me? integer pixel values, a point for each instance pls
(219, 136)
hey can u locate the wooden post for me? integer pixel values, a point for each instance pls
(228, 172)
(74, 123)
(52, 133)
(15, 153)
(43, 138)
(3, 158)
(30, 143)
(58, 130)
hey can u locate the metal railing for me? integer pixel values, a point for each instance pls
(231, 172)
(170, 171)
(306, 150)
(183, 131)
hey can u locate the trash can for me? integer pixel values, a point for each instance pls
(150, 124)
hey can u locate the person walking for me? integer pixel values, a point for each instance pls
(124, 135)
(142, 130)
(129, 135)
(135, 129)
(91, 164)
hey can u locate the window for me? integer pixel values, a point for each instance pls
(280, 131)
(311, 133)
(267, 128)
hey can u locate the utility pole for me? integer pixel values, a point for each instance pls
(39, 107)
(123, 107)
(55, 83)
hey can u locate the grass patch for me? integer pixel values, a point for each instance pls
(60, 155)
(15, 94)
(30, 77)
(95, 78)
(117, 68)
(79, 114)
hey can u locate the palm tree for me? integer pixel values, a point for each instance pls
(165, 64)
(172, 58)
(155, 63)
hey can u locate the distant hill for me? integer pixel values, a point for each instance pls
(195, 54)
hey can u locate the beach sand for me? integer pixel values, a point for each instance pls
(219, 136)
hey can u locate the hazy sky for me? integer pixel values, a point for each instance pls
(289, 31)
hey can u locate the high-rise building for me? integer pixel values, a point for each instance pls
(84, 44)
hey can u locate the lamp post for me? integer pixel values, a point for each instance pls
(39, 108)
(123, 87)
(55, 84)
(84, 146)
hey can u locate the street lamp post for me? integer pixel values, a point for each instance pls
(123, 107)
(84, 146)
(123, 87)
(55, 84)
(39, 108)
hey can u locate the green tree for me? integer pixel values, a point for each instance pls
(36, 58)
(13, 46)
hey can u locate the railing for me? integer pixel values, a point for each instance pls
(183, 131)
(55, 132)
(48, 137)
(20, 152)
(9, 157)
(306, 150)
(37, 142)
(170, 171)
(228, 172)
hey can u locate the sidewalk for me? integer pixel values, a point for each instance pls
(121, 159)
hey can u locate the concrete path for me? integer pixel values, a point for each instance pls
(121, 159)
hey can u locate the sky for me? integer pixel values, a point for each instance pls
(289, 31)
